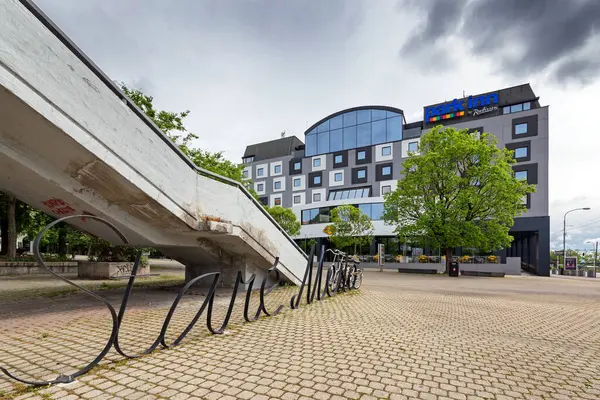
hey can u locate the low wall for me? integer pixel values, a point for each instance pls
(107, 270)
(8, 268)
(512, 266)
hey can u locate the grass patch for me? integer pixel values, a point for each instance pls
(20, 389)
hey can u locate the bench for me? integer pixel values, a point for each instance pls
(417, 271)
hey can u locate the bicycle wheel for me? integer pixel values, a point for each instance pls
(332, 273)
(358, 279)
(351, 277)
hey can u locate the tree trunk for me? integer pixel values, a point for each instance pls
(62, 241)
(4, 232)
(11, 250)
(448, 259)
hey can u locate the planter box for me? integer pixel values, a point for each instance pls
(108, 270)
(8, 268)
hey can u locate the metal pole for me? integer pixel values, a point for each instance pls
(564, 243)
(565, 233)
(595, 258)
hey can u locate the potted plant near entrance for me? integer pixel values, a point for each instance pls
(109, 262)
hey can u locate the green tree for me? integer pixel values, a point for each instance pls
(350, 227)
(286, 218)
(460, 191)
(171, 123)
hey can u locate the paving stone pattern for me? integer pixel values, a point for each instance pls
(399, 337)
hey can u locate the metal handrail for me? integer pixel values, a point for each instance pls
(68, 43)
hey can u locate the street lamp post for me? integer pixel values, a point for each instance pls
(565, 233)
(595, 254)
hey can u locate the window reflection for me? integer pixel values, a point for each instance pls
(350, 118)
(378, 132)
(363, 116)
(350, 138)
(323, 142)
(335, 140)
(311, 145)
(336, 122)
(363, 135)
(376, 115)
(324, 127)
(394, 129)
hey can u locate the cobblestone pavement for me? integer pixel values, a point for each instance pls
(399, 337)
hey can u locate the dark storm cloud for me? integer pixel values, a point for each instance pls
(522, 36)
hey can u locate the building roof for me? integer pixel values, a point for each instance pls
(273, 149)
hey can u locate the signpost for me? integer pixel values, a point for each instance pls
(381, 253)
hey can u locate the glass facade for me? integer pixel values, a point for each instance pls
(322, 215)
(354, 129)
(356, 193)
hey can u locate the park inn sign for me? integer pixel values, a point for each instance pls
(474, 105)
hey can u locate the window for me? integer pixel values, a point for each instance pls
(386, 151)
(526, 106)
(521, 129)
(387, 170)
(277, 169)
(296, 199)
(361, 155)
(524, 200)
(413, 146)
(260, 172)
(361, 173)
(506, 110)
(521, 152)
(386, 189)
(521, 175)
(335, 140)
(296, 182)
(311, 144)
(278, 201)
(245, 173)
(337, 177)
(349, 194)
(316, 197)
(316, 162)
(317, 180)
(260, 187)
(297, 166)
(376, 211)
(315, 216)
(277, 185)
(247, 160)
(516, 108)
(338, 159)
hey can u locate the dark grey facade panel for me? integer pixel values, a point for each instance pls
(379, 176)
(409, 133)
(344, 156)
(355, 179)
(293, 163)
(518, 145)
(311, 179)
(532, 126)
(368, 155)
(532, 172)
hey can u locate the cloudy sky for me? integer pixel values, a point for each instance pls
(250, 69)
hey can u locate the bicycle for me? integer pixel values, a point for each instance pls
(355, 277)
(343, 272)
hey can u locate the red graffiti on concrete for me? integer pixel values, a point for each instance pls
(59, 206)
